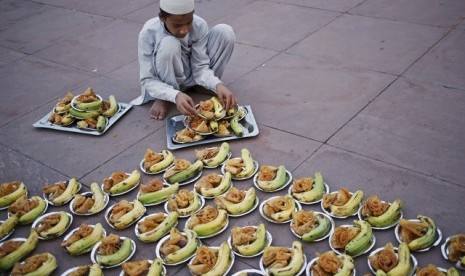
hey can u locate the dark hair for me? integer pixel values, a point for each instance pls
(164, 13)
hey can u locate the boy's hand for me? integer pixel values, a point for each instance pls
(226, 97)
(185, 104)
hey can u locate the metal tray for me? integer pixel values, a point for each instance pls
(44, 123)
(176, 123)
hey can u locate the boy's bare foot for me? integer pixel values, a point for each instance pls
(159, 109)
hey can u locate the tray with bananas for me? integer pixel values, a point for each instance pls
(85, 113)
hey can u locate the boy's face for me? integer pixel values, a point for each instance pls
(178, 25)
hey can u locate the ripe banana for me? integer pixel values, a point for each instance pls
(294, 265)
(132, 180)
(213, 226)
(388, 218)
(156, 268)
(276, 183)
(238, 208)
(8, 261)
(46, 268)
(95, 105)
(323, 227)
(130, 217)
(186, 174)
(193, 207)
(249, 167)
(362, 241)
(257, 245)
(119, 256)
(158, 196)
(213, 126)
(404, 265)
(8, 225)
(315, 193)
(161, 230)
(219, 157)
(426, 240)
(222, 262)
(186, 251)
(95, 270)
(350, 207)
(84, 114)
(348, 267)
(101, 123)
(452, 272)
(168, 159)
(71, 189)
(83, 245)
(236, 127)
(30, 216)
(59, 228)
(99, 198)
(218, 108)
(8, 199)
(113, 106)
(225, 184)
(285, 214)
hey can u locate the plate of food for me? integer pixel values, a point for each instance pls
(249, 241)
(124, 213)
(156, 162)
(311, 226)
(7, 227)
(241, 168)
(82, 239)
(185, 136)
(213, 185)
(87, 101)
(393, 260)
(156, 192)
(52, 225)
(452, 250)
(381, 214)
(271, 178)
(329, 263)
(309, 190)
(408, 230)
(210, 109)
(60, 193)
(143, 267)
(183, 172)
(353, 240)
(208, 222)
(204, 264)
(27, 209)
(279, 209)
(213, 157)
(153, 227)
(342, 203)
(177, 247)
(238, 202)
(112, 251)
(93, 269)
(185, 203)
(120, 182)
(200, 126)
(38, 264)
(10, 192)
(292, 260)
(89, 203)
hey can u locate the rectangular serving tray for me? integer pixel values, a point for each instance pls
(176, 123)
(44, 123)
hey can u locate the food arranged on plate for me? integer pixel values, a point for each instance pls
(113, 250)
(453, 250)
(283, 260)
(177, 247)
(52, 225)
(14, 250)
(39, 264)
(215, 156)
(208, 221)
(279, 209)
(143, 267)
(61, 192)
(381, 214)
(155, 191)
(82, 239)
(242, 167)
(28, 209)
(308, 190)
(311, 226)
(10, 192)
(342, 203)
(210, 109)
(270, 178)
(249, 241)
(353, 240)
(184, 202)
(124, 213)
(213, 184)
(432, 269)
(186, 135)
(329, 264)
(156, 162)
(200, 125)
(153, 227)
(420, 234)
(120, 182)
(237, 202)
(392, 261)
(8, 226)
(211, 260)
(89, 203)
(87, 270)
(183, 171)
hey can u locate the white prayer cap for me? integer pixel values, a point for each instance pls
(177, 7)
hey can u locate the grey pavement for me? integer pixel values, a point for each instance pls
(369, 92)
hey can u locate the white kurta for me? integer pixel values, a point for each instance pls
(169, 64)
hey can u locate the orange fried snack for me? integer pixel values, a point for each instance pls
(303, 221)
(82, 204)
(87, 96)
(48, 222)
(243, 235)
(429, 270)
(234, 166)
(276, 257)
(153, 186)
(267, 173)
(276, 205)
(204, 260)
(412, 230)
(343, 235)
(199, 124)
(29, 265)
(208, 181)
(179, 165)
(23, 205)
(302, 184)
(114, 179)
(456, 247)
(206, 109)
(182, 199)
(205, 215)
(185, 135)
(206, 153)
(83, 231)
(373, 206)
(234, 195)
(151, 157)
(327, 264)
(175, 242)
(52, 191)
(136, 268)
(385, 259)
(338, 199)
(8, 187)
(9, 246)
(120, 209)
(109, 245)
(150, 223)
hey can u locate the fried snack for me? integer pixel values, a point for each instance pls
(82, 204)
(87, 96)
(153, 186)
(9, 187)
(205, 215)
(199, 124)
(234, 195)
(206, 153)
(23, 205)
(327, 264)
(385, 259)
(136, 268)
(209, 181)
(243, 235)
(412, 230)
(204, 260)
(276, 257)
(31, 264)
(175, 242)
(182, 199)
(54, 190)
(267, 173)
(9, 246)
(234, 166)
(186, 135)
(373, 206)
(109, 245)
(83, 231)
(343, 235)
(429, 270)
(179, 165)
(338, 199)
(276, 205)
(302, 185)
(66, 99)
(48, 222)
(114, 179)
(120, 209)
(206, 109)
(223, 127)
(56, 119)
(81, 271)
(303, 221)
(151, 222)
(151, 157)
(456, 247)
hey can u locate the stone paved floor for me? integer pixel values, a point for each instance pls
(369, 92)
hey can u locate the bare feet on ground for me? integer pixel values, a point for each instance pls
(159, 109)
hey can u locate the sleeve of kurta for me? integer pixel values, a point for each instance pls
(200, 62)
(149, 80)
